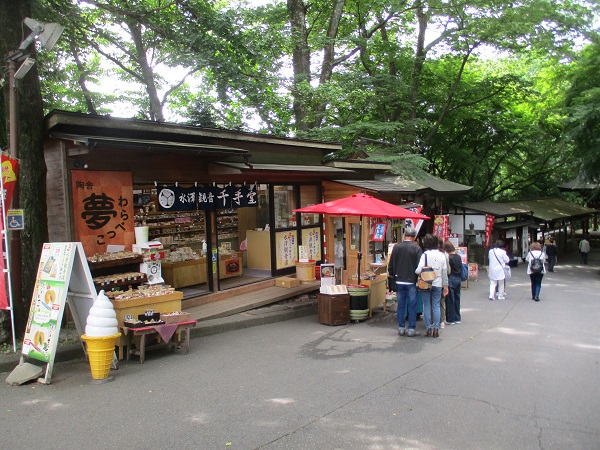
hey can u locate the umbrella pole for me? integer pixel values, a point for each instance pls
(359, 256)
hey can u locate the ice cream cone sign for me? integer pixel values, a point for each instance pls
(101, 333)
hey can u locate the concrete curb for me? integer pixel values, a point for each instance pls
(247, 319)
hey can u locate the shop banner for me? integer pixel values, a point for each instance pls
(310, 238)
(103, 209)
(440, 227)
(416, 224)
(205, 198)
(489, 224)
(10, 173)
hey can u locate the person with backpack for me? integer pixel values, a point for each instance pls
(536, 269)
(454, 285)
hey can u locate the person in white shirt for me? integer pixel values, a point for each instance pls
(431, 297)
(497, 259)
(584, 249)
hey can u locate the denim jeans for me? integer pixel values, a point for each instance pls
(536, 284)
(431, 300)
(407, 295)
(453, 299)
(551, 262)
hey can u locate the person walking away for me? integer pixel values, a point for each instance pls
(551, 253)
(402, 278)
(435, 259)
(536, 269)
(584, 249)
(454, 285)
(497, 259)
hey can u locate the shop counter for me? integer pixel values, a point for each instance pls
(184, 273)
(135, 307)
(259, 249)
(378, 287)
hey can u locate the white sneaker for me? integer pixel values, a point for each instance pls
(442, 324)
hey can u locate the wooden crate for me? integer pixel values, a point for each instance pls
(287, 282)
(184, 273)
(334, 309)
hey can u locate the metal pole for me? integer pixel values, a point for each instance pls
(15, 236)
(12, 67)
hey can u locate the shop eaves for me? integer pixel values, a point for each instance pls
(144, 145)
(284, 168)
(545, 209)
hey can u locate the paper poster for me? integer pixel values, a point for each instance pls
(463, 253)
(327, 276)
(473, 271)
(286, 251)
(311, 239)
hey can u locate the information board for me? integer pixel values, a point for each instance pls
(62, 273)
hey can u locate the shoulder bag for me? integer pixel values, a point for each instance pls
(426, 277)
(507, 271)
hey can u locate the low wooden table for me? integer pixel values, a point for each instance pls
(171, 330)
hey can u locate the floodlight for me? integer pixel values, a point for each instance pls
(24, 68)
(47, 33)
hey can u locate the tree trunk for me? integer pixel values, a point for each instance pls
(32, 171)
(301, 63)
(156, 112)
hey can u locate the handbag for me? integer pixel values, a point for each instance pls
(426, 277)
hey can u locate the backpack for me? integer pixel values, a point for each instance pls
(536, 265)
(464, 273)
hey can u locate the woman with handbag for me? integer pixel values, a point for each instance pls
(434, 261)
(497, 259)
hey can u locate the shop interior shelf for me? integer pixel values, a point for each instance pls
(115, 262)
(130, 282)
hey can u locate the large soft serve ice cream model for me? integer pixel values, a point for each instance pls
(102, 318)
(101, 334)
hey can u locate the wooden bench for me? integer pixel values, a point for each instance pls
(151, 332)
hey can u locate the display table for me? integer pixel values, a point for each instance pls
(168, 334)
(259, 249)
(378, 290)
(137, 306)
(184, 273)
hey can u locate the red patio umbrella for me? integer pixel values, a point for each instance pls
(361, 205)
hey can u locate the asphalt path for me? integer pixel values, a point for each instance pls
(516, 374)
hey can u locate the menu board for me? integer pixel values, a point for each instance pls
(48, 301)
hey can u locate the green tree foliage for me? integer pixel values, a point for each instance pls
(583, 107)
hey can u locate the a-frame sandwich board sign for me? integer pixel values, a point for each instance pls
(63, 274)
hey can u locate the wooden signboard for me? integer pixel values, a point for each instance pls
(63, 274)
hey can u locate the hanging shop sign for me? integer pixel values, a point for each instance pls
(205, 198)
(10, 173)
(103, 209)
(489, 225)
(441, 227)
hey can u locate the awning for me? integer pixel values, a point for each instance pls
(545, 209)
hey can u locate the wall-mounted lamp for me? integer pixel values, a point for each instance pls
(78, 164)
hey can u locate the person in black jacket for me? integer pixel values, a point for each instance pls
(551, 253)
(402, 278)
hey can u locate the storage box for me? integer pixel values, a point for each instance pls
(175, 318)
(287, 282)
(334, 309)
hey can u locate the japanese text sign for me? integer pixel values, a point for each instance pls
(102, 209)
